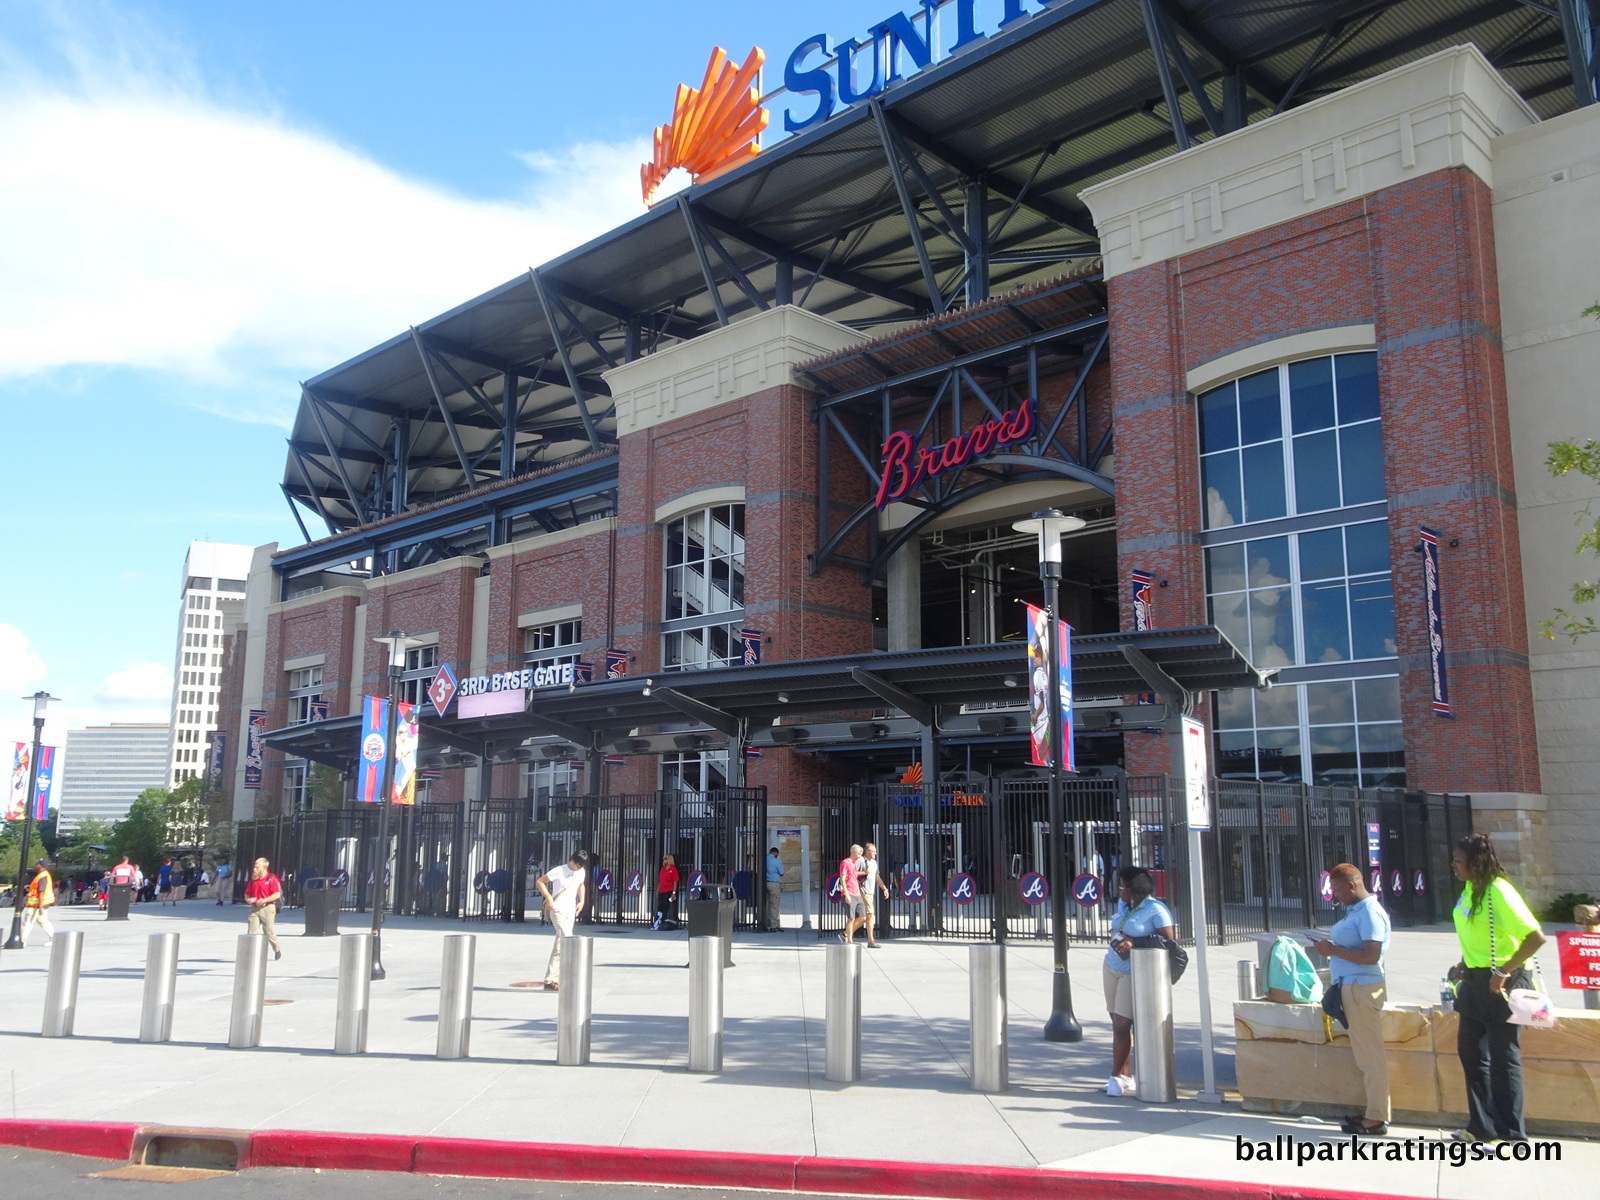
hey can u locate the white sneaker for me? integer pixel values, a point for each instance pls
(1126, 1086)
(1114, 1086)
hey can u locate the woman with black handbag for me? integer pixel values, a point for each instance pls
(1498, 935)
(1139, 914)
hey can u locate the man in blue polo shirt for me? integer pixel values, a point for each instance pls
(774, 891)
(1355, 947)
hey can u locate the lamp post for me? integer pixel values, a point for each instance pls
(1049, 525)
(398, 644)
(40, 699)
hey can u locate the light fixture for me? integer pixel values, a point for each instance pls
(1049, 525)
(647, 684)
(783, 697)
(1011, 681)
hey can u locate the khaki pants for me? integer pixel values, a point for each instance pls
(261, 920)
(774, 904)
(563, 922)
(33, 915)
(1363, 1008)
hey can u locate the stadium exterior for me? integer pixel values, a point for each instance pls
(1283, 300)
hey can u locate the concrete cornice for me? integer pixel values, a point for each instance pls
(316, 599)
(540, 541)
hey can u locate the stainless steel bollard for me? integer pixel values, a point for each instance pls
(842, 1034)
(249, 991)
(990, 1064)
(355, 993)
(160, 987)
(705, 1004)
(61, 992)
(1249, 980)
(1154, 1068)
(455, 995)
(575, 1002)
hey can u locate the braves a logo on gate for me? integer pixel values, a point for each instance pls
(903, 470)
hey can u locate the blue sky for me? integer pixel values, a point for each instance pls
(208, 200)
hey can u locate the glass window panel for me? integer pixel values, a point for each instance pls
(1264, 495)
(1233, 709)
(1372, 617)
(1330, 703)
(1367, 547)
(1278, 755)
(1230, 614)
(1378, 699)
(1383, 755)
(1224, 501)
(674, 543)
(1326, 620)
(1225, 568)
(1322, 554)
(1236, 755)
(1271, 628)
(1269, 561)
(1278, 706)
(1260, 410)
(1316, 472)
(1361, 462)
(1333, 756)
(1356, 377)
(1219, 420)
(1311, 395)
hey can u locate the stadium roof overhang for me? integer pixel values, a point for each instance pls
(926, 685)
(957, 181)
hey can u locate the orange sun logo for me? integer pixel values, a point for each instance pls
(714, 128)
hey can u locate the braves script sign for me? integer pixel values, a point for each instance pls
(905, 466)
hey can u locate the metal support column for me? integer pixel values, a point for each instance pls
(61, 991)
(249, 991)
(842, 1014)
(989, 1067)
(977, 229)
(1155, 1072)
(705, 1004)
(455, 995)
(354, 995)
(160, 988)
(575, 1004)
(508, 424)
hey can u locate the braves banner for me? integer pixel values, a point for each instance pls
(1139, 583)
(253, 747)
(616, 664)
(750, 641)
(216, 753)
(317, 710)
(1039, 699)
(375, 750)
(584, 671)
(1435, 609)
(21, 757)
(44, 783)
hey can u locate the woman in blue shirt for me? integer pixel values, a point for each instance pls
(1354, 949)
(1138, 915)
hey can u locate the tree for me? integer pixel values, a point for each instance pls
(77, 849)
(1566, 457)
(142, 834)
(325, 786)
(186, 816)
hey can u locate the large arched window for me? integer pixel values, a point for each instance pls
(703, 608)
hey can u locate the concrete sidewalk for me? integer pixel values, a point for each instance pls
(914, 1103)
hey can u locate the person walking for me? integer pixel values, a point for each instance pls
(224, 882)
(774, 921)
(871, 885)
(666, 892)
(124, 874)
(102, 889)
(1498, 935)
(41, 895)
(1355, 947)
(563, 891)
(164, 884)
(850, 871)
(1138, 914)
(262, 894)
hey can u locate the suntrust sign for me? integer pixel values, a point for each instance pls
(860, 70)
(905, 466)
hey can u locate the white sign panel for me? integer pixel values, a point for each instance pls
(1194, 774)
(491, 704)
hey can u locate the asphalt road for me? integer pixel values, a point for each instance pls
(37, 1173)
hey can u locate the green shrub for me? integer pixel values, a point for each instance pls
(1560, 910)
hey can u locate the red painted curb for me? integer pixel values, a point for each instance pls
(602, 1164)
(91, 1139)
(331, 1151)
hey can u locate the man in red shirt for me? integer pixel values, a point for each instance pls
(850, 871)
(262, 894)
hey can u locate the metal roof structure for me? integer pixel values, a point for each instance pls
(957, 182)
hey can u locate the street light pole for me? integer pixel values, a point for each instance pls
(1049, 524)
(40, 700)
(398, 643)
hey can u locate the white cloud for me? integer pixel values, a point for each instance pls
(21, 668)
(156, 227)
(143, 685)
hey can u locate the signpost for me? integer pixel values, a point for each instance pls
(1198, 806)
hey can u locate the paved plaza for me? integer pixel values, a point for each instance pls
(913, 1103)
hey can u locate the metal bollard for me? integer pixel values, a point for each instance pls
(61, 992)
(455, 995)
(249, 991)
(842, 1034)
(160, 986)
(575, 1002)
(1154, 1069)
(1249, 980)
(355, 993)
(990, 1063)
(705, 1004)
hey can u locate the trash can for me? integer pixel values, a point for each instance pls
(713, 917)
(322, 908)
(117, 901)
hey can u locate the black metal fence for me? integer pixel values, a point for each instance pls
(978, 865)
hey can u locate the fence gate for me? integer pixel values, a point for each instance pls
(496, 859)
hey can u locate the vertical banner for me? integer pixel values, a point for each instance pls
(216, 754)
(583, 672)
(374, 750)
(616, 664)
(750, 641)
(254, 746)
(16, 795)
(1039, 687)
(1139, 588)
(1435, 610)
(45, 783)
(317, 710)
